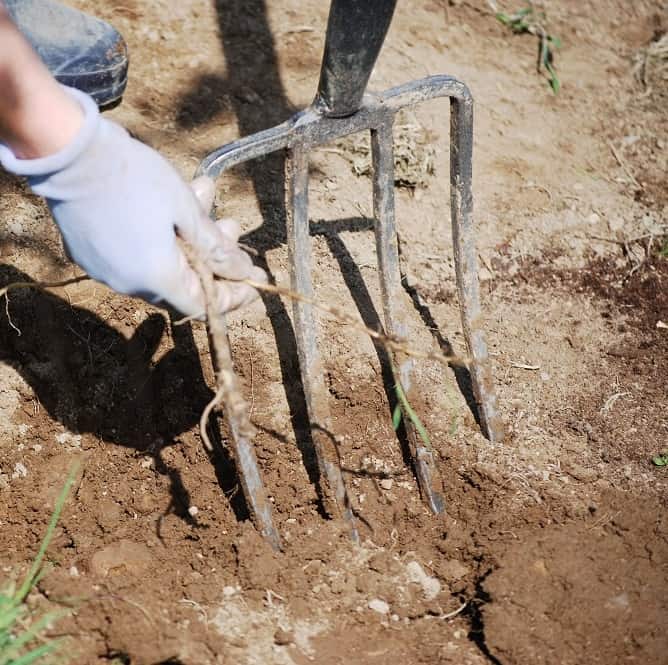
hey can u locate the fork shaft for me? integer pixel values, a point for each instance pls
(392, 296)
(356, 30)
(332, 487)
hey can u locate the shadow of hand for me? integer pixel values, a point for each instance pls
(91, 378)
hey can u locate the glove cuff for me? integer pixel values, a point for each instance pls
(43, 166)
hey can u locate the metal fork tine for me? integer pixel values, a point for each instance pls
(332, 487)
(249, 474)
(466, 264)
(382, 150)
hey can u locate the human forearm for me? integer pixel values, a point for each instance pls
(118, 203)
(37, 117)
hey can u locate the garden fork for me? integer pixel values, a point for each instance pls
(355, 33)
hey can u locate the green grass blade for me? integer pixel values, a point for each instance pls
(5, 639)
(14, 636)
(396, 417)
(9, 616)
(34, 575)
(554, 79)
(526, 20)
(28, 635)
(408, 410)
(34, 655)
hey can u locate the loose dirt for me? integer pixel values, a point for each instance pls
(554, 545)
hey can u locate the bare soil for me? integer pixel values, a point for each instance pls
(554, 545)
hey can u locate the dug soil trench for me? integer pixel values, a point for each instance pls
(554, 546)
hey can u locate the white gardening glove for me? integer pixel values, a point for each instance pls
(118, 204)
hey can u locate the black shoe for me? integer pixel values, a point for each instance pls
(81, 51)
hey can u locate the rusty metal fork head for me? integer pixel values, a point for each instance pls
(341, 109)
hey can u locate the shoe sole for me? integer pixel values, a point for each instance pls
(105, 95)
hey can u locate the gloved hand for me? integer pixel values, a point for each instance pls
(118, 205)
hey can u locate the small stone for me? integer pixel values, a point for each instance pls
(16, 228)
(431, 587)
(582, 473)
(121, 557)
(338, 585)
(74, 571)
(363, 583)
(620, 602)
(378, 605)
(453, 570)
(594, 218)
(283, 637)
(69, 440)
(229, 591)
(108, 514)
(20, 471)
(383, 562)
(193, 510)
(540, 568)
(144, 503)
(386, 483)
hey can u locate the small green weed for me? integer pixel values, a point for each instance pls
(403, 406)
(527, 20)
(661, 460)
(19, 630)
